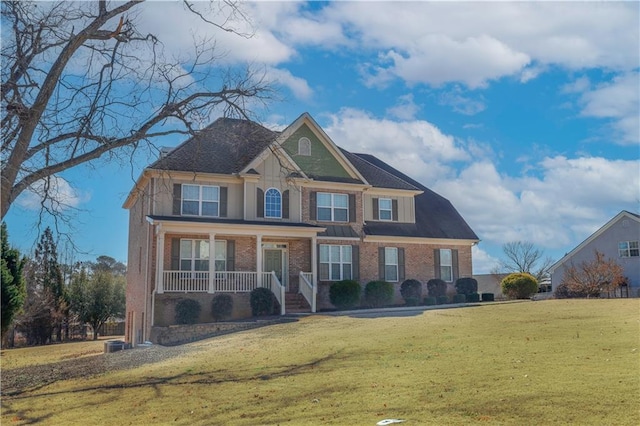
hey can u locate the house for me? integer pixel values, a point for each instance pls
(617, 239)
(239, 206)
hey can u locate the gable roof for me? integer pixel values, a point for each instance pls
(435, 215)
(375, 175)
(226, 146)
(624, 213)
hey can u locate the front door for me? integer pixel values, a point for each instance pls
(273, 261)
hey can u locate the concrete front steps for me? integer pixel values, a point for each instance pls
(295, 303)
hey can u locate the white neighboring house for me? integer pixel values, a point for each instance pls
(618, 239)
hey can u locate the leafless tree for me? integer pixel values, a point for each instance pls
(523, 256)
(79, 83)
(593, 277)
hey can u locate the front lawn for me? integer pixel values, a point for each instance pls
(545, 362)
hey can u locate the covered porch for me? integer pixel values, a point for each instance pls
(213, 256)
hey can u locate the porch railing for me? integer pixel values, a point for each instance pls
(224, 282)
(308, 290)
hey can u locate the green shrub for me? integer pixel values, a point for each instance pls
(378, 293)
(187, 311)
(459, 298)
(487, 297)
(345, 294)
(443, 300)
(221, 307)
(466, 286)
(411, 291)
(473, 297)
(519, 286)
(436, 287)
(430, 301)
(263, 302)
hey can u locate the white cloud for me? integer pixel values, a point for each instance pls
(618, 100)
(405, 109)
(460, 103)
(298, 86)
(483, 262)
(61, 195)
(417, 147)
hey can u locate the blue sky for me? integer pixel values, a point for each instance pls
(524, 115)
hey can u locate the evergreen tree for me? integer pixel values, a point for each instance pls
(13, 285)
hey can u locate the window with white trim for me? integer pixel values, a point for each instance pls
(332, 207)
(201, 200)
(273, 203)
(304, 146)
(194, 255)
(446, 265)
(385, 209)
(628, 249)
(335, 263)
(391, 264)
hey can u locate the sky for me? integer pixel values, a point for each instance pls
(524, 115)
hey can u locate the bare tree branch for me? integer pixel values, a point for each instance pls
(79, 82)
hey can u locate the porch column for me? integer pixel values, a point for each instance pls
(314, 272)
(212, 262)
(259, 259)
(160, 261)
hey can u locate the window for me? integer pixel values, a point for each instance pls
(304, 146)
(194, 255)
(385, 209)
(335, 262)
(391, 264)
(200, 200)
(628, 249)
(273, 203)
(333, 207)
(446, 265)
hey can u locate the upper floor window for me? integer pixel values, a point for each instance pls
(304, 146)
(391, 264)
(273, 203)
(628, 249)
(333, 207)
(335, 262)
(446, 265)
(385, 209)
(201, 200)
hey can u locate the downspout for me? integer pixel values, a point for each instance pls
(149, 245)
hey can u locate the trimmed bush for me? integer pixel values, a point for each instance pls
(187, 311)
(221, 307)
(443, 300)
(345, 294)
(519, 286)
(459, 298)
(411, 291)
(436, 287)
(473, 298)
(378, 293)
(263, 302)
(430, 301)
(466, 286)
(488, 297)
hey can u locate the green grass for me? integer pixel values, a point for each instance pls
(547, 362)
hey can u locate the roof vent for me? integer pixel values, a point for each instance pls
(165, 150)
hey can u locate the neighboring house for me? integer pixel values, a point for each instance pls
(239, 206)
(490, 283)
(618, 239)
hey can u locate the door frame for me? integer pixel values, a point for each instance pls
(284, 249)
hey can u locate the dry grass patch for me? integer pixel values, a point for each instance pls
(551, 362)
(49, 354)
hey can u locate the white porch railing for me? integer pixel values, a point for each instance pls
(224, 282)
(308, 290)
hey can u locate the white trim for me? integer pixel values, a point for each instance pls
(592, 237)
(324, 238)
(387, 192)
(326, 185)
(417, 240)
(265, 203)
(237, 228)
